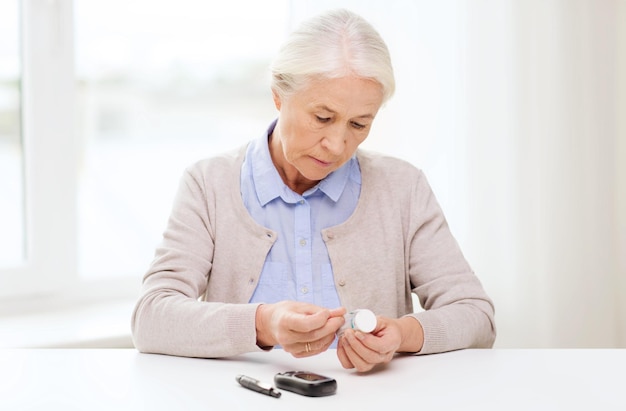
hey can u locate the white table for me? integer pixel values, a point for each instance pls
(501, 379)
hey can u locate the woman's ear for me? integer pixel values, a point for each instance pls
(276, 98)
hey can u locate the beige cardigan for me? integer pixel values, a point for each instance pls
(194, 299)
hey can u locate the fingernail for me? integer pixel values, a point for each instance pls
(359, 335)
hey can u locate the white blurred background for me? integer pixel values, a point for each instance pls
(515, 109)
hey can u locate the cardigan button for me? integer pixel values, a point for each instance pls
(342, 283)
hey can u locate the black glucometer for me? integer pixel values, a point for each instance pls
(306, 383)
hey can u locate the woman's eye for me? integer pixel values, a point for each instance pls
(323, 119)
(358, 126)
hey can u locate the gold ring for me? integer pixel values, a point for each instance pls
(307, 347)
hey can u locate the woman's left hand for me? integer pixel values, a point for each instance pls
(362, 351)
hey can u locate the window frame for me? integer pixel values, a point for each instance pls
(52, 155)
(50, 160)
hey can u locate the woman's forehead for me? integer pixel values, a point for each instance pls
(340, 94)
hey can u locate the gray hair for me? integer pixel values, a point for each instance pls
(332, 45)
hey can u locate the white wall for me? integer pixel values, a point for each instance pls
(543, 137)
(513, 108)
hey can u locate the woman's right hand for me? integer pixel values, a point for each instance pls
(302, 329)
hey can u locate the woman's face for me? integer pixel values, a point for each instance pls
(320, 127)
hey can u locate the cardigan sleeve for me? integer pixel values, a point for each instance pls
(457, 311)
(170, 316)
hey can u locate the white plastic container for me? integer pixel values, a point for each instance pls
(359, 320)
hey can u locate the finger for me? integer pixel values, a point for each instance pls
(371, 349)
(306, 308)
(368, 348)
(325, 343)
(316, 346)
(306, 322)
(303, 349)
(338, 312)
(342, 356)
(386, 340)
(350, 347)
(325, 334)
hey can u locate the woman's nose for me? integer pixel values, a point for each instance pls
(335, 140)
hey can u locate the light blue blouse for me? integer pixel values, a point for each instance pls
(297, 267)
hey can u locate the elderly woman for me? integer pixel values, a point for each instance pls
(270, 245)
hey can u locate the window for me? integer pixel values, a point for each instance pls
(11, 176)
(112, 113)
(151, 99)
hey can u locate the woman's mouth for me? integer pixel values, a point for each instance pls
(322, 163)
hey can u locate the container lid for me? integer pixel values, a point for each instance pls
(365, 320)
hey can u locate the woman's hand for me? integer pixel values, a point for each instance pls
(362, 351)
(301, 329)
